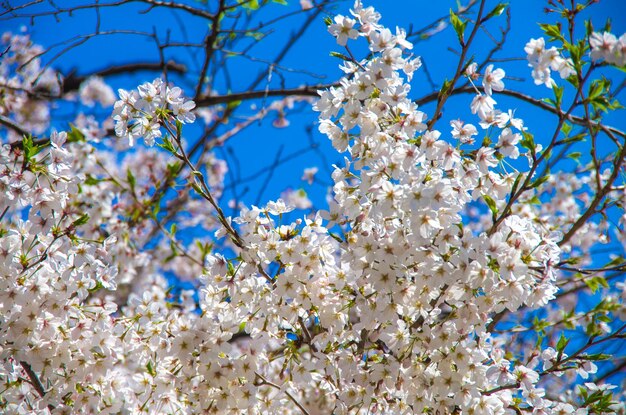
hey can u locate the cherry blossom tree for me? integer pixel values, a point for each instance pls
(463, 262)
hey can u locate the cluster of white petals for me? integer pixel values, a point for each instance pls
(53, 323)
(414, 286)
(141, 113)
(543, 61)
(484, 105)
(383, 304)
(18, 86)
(95, 90)
(607, 46)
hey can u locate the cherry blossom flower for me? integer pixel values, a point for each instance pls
(463, 132)
(343, 29)
(492, 80)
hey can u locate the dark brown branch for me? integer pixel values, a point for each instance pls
(34, 380)
(7, 122)
(210, 47)
(309, 90)
(72, 81)
(69, 10)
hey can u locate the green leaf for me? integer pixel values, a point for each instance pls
(174, 253)
(528, 142)
(167, 145)
(340, 56)
(541, 180)
(250, 4)
(233, 104)
(558, 95)
(173, 168)
(575, 156)
(539, 326)
(230, 269)
(596, 356)
(197, 188)
(131, 180)
(615, 105)
(205, 248)
(328, 21)
(497, 11)
(595, 283)
(29, 148)
(534, 201)
(458, 25)
(588, 27)
(516, 183)
(156, 208)
(582, 392)
(253, 34)
(491, 204)
(84, 218)
(445, 88)
(599, 95)
(566, 128)
(596, 89)
(575, 138)
(90, 180)
(96, 287)
(562, 343)
(150, 368)
(618, 260)
(74, 135)
(283, 2)
(553, 31)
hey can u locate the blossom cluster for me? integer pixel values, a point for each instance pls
(383, 303)
(95, 90)
(543, 61)
(77, 293)
(421, 277)
(51, 322)
(484, 105)
(142, 113)
(22, 81)
(74, 270)
(607, 46)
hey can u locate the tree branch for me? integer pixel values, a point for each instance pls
(72, 81)
(34, 380)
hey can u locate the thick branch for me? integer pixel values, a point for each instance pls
(69, 10)
(7, 122)
(309, 90)
(72, 82)
(34, 380)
